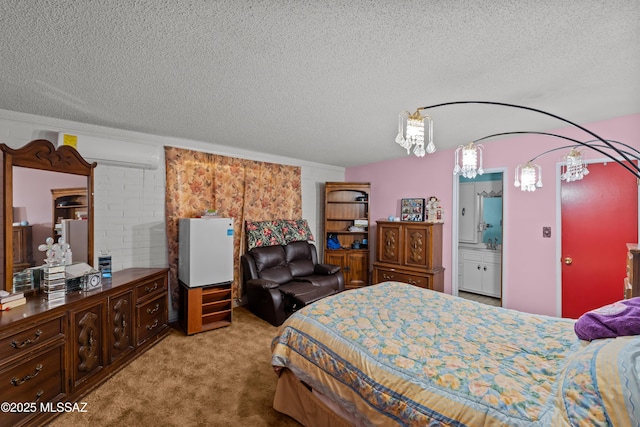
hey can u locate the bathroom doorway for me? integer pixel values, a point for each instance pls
(480, 237)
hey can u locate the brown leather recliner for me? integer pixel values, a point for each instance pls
(281, 279)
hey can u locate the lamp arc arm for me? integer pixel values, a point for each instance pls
(523, 107)
(583, 143)
(635, 156)
(637, 152)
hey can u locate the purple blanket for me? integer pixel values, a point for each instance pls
(614, 320)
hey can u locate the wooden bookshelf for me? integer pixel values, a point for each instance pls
(205, 308)
(347, 205)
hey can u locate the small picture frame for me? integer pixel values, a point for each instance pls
(412, 209)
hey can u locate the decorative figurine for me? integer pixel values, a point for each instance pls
(435, 213)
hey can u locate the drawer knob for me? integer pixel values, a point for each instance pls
(155, 324)
(16, 344)
(16, 382)
(151, 289)
(154, 309)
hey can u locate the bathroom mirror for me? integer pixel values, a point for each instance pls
(41, 155)
(491, 218)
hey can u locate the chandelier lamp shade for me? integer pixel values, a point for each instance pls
(468, 158)
(573, 168)
(528, 177)
(411, 133)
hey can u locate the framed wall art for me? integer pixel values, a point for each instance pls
(412, 210)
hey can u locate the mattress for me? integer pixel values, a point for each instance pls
(395, 354)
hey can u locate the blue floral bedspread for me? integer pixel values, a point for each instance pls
(395, 354)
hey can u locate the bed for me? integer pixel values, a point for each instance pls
(396, 354)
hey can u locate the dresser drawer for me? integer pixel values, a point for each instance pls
(151, 288)
(384, 274)
(26, 340)
(38, 379)
(152, 316)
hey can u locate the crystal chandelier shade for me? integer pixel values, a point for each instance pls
(574, 168)
(414, 135)
(470, 156)
(528, 177)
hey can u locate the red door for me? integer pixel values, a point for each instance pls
(599, 215)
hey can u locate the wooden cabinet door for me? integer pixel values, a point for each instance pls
(358, 269)
(354, 265)
(119, 327)
(416, 245)
(389, 243)
(87, 341)
(336, 257)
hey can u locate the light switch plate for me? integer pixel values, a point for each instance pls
(546, 231)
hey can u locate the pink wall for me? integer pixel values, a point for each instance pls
(529, 282)
(32, 200)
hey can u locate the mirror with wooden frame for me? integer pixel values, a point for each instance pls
(76, 201)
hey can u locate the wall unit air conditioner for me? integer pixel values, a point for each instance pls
(112, 151)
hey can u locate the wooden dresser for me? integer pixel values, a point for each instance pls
(409, 252)
(58, 352)
(632, 281)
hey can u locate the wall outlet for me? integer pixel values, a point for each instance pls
(546, 231)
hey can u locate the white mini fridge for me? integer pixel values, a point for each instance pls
(205, 252)
(76, 233)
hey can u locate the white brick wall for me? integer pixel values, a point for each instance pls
(129, 216)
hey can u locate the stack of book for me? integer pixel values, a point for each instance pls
(54, 283)
(10, 301)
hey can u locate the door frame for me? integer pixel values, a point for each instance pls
(455, 232)
(559, 228)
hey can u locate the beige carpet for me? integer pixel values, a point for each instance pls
(216, 378)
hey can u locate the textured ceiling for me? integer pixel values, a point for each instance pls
(319, 80)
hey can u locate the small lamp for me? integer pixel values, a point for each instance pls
(526, 177)
(573, 168)
(469, 164)
(414, 133)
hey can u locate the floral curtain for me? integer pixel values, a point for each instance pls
(245, 190)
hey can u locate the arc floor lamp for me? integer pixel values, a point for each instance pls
(411, 133)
